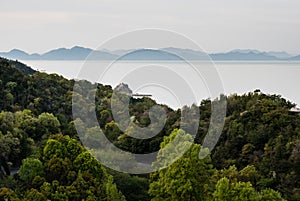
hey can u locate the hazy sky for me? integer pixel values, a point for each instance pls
(216, 25)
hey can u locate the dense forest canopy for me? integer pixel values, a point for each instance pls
(257, 156)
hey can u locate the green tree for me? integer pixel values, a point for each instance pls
(112, 192)
(35, 195)
(48, 124)
(30, 169)
(54, 148)
(222, 192)
(105, 117)
(9, 147)
(134, 188)
(270, 195)
(86, 162)
(8, 194)
(185, 179)
(242, 191)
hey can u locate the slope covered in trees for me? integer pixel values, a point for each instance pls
(257, 156)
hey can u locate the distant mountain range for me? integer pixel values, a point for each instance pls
(170, 53)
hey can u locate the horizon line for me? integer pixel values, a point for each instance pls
(108, 50)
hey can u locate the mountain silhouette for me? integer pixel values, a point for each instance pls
(168, 53)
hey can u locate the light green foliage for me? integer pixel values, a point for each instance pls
(185, 179)
(11, 85)
(270, 195)
(112, 192)
(242, 191)
(48, 124)
(19, 130)
(30, 169)
(247, 174)
(86, 162)
(26, 121)
(250, 173)
(8, 194)
(74, 149)
(35, 195)
(222, 190)
(112, 131)
(70, 172)
(54, 148)
(46, 189)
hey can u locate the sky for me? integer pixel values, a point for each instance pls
(215, 25)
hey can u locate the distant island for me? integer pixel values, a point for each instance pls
(170, 53)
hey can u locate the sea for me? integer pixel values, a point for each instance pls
(177, 84)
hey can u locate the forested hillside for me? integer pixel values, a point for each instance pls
(42, 158)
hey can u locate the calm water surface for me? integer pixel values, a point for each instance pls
(237, 77)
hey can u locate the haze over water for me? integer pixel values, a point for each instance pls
(279, 77)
